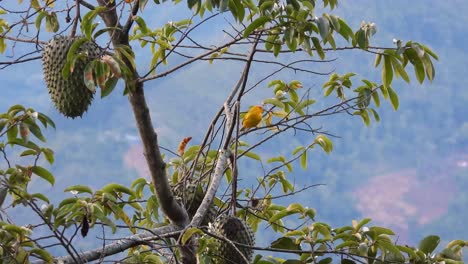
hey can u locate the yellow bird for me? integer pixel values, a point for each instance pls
(252, 118)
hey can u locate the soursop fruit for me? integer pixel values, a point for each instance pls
(191, 197)
(70, 96)
(235, 230)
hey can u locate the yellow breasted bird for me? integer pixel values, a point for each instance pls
(252, 118)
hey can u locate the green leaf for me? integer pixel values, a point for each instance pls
(429, 244)
(87, 25)
(46, 120)
(277, 159)
(361, 39)
(15, 109)
(375, 114)
(285, 243)
(376, 98)
(324, 27)
(429, 67)
(239, 10)
(393, 98)
(2, 125)
(287, 186)
(115, 187)
(191, 3)
(335, 22)
(384, 91)
(295, 207)
(387, 71)
(109, 86)
(418, 65)
(381, 230)
(347, 244)
(300, 148)
(42, 254)
(269, 42)
(49, 155)
(251, 155)
(456, 243)
(310, 213)
(72, 52)
(39, 18)
(324, 142)
(327, 260)
(400, 70)
(293, 95)
(345, 31)
(88, 77)
(28, 152)
(104, 30)
(364, 115)
(43, 173)
(361, 224)
(394, 255)
(408, 250)
(24, 131)
(142, 4)
(41, 196)
(36, 131)
(449, 254)
(304, 160)
(378, 58)
(318, 47)
(52, 24)
(429, 51)
(281, 214)
(274, 101)
(141, 24)
(259, 22)
(12, 132)
(419, 71)
(16, 229)
(17, 141)
(223, 5)
(3, 45)
(189, 233)
(79, 189)
(277, 47)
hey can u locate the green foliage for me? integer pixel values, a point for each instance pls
(292, 27)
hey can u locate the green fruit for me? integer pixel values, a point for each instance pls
(70, 96)
(236, 230)
(191, 197)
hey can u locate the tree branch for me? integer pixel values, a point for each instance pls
(157, 167)
(173, 210)
(224, 153)
(121, 245)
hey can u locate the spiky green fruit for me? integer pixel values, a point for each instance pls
(237, 230)
(191, 197)
(70, 96)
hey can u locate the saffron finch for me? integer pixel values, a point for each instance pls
(253, 117)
